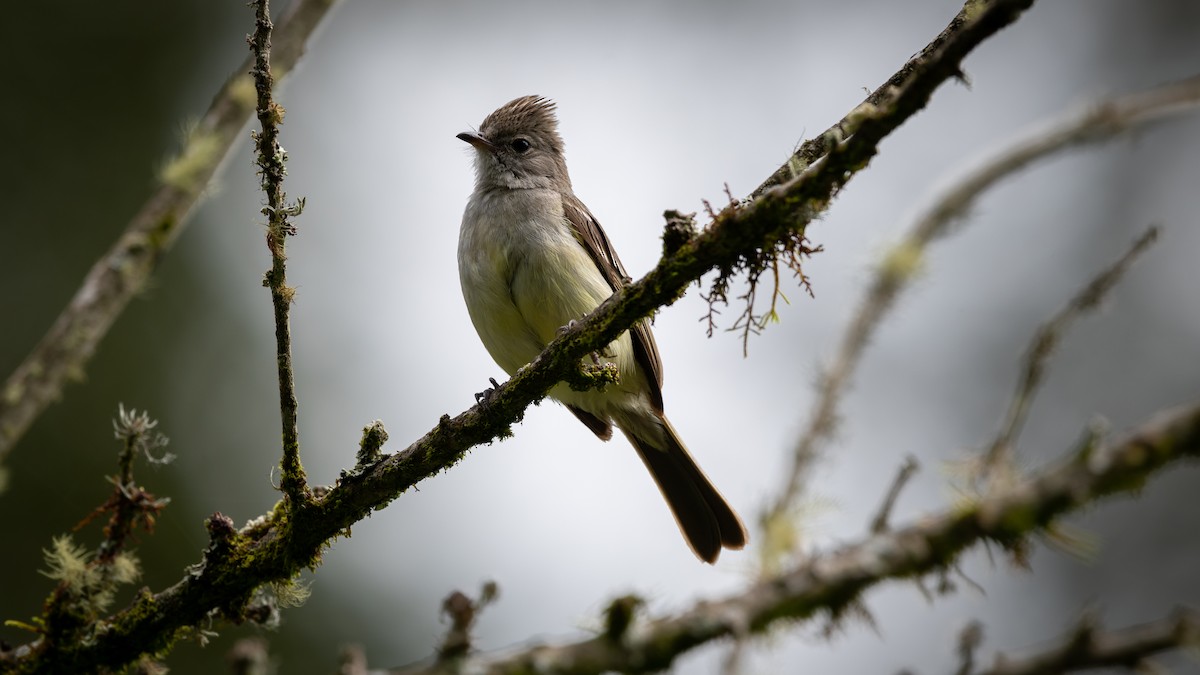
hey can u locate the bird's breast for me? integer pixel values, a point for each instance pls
(523, 273)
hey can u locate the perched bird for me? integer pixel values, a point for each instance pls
(532, 258)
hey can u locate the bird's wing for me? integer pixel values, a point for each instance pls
(589, 233)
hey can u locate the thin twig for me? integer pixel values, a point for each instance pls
(249, 656)
(463, 612)
(969, 640)
(131, 506)
(1090, 124)
(1046, 340)
(353, 661)
(1088, 647)
(271, 159)
(880, 522)
(63, 353)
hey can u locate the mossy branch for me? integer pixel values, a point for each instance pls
(272, 167)
(1090, 647)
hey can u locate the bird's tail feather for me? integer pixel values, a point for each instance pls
(706, 520)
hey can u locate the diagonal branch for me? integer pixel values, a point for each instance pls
(122, 272)
(1046, 341)
(833, 580)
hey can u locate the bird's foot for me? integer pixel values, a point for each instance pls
(485, 397)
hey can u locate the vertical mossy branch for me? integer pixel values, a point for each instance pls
(271, 169)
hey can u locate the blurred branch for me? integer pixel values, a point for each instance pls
(879, 523)
(249, 656)
(825, 583)
(353, 661)
(1088, 647)
(271, 169)
(463, 612)
(1092, 123)
(969, 639)
(122, 272)
(1046, 340)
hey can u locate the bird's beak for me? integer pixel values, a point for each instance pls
(476, 140)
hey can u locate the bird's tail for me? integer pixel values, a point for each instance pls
(704, 517)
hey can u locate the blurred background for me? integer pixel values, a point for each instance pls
(662, 104)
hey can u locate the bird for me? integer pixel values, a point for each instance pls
(532, 259)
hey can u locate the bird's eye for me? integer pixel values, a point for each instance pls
(520, 145)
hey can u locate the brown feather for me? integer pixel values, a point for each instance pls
(595, 241)
(601, 428)
(706, 520)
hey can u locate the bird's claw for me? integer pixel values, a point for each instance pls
(485, 397)
(562, 330)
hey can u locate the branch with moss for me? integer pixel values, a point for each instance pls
(63, 353)
(826, 583)
(1089, 647)
(271, 170)
(276, 546)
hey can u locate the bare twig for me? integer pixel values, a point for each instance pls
(833, 580)
(1046, 340)
(65, 350)
(249, 656)
(271, 160)
(969, 640)
(880, 522)
(353, 661)
(1093, 123)
(1089, 647)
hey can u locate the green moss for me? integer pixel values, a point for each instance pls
(189, 170)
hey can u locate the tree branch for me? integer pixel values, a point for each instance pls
(1088, 647)
(827, 582)
(122, 272)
